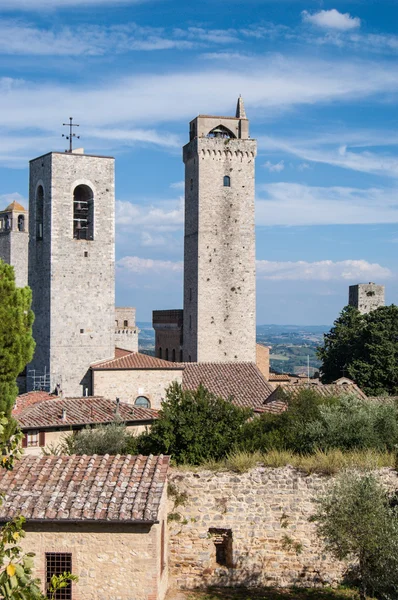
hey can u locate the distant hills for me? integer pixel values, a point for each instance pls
(291, 345)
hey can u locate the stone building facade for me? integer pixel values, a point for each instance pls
(366, 297)
(103, 518)
(245, 529)
(126, 330)
(219, 242)
(71, 267)
(168, 326)
(14, 239)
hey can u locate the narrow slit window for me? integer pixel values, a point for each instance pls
(227, 181)
(21, 223)
(39, 212)
(56, 564)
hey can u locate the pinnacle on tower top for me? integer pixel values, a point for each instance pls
(240, 109)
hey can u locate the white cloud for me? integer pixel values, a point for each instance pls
(178, 185)
(166, 217)
(332, 19)
(323, 151)
(135, 264)
(324, 270)
(297, 204)
(276, 167)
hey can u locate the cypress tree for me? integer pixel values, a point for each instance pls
(16, 341)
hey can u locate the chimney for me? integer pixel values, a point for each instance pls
(63, 418)
(117, 407)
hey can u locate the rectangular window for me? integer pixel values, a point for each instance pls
(56, 564)
(222, 539)
(32, 439)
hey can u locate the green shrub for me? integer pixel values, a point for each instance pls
(105, 439)
(194, 427)
(357, 520)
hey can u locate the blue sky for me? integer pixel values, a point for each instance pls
(320, 84)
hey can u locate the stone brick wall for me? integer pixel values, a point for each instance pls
(253, 506)
(72, 280)
(112, 561)
(130, 383)
(219, 250)
(366, 296)
(262, 359)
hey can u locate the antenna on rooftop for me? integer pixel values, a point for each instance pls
(71, 134)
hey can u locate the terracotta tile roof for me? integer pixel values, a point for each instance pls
(275, 407)
(84, 488)
(30, 398)
(15, 206)
(279, 377)
(326, 391)
(243, 382)
(87, 410)
(121, 352)
(135, 360)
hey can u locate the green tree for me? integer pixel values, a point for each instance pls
(365, 348)
(194, 426)
(358, 523)
(16, 341)
(341, 344)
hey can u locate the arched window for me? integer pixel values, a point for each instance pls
(160, 353)
(7, 223)
(227, 181)
(125, 323)
(174, 355)
(116, 323)
(83, 213)
(142, 401)
(21, 223)
(39, 212)
(167, 354)
(221, 132)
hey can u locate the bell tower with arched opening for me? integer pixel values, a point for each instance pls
(71, 268)
(14, 238)
(219, 243)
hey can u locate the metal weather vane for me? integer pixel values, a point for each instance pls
(71, 134)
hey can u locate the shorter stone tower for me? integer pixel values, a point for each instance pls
(168, 326)
(366, 297)
(126, 331)
(14, 240)
(71, 268)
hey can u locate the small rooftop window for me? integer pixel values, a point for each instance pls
(227, 181)
(142, 401)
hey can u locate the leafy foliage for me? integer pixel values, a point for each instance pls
(194, 426)
(104, 439)
(357, 522)
(365, 348)
(16, 342)
(313, 423)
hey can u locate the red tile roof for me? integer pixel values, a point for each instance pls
(242, 382)
(121, 352)
(85, 488)
(279, 377)
(87, 410)
(135, 360)
(31, 398)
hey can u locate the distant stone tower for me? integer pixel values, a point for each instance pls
(366, 296)
(126, 331)
(71, 267)
(219, 245)
(14, 239)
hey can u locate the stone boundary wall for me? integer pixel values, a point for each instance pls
(266, 514)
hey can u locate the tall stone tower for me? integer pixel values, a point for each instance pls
(219, 244)
(71, 267)
(366, 296)
(14, 239)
